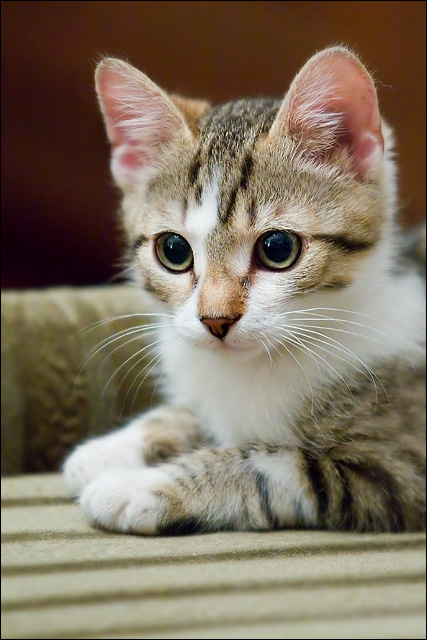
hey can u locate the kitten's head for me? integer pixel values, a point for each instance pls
(242, 212)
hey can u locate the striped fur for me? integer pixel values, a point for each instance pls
(309, 409)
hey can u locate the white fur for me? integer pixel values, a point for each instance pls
(124, 500)
(309, 103)
(118, 450)
(288, 499)
(242, 396)
(202, 219)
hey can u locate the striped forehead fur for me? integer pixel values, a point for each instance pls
(228, 134)
(232, 139)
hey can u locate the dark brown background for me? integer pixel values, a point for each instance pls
(58, 203)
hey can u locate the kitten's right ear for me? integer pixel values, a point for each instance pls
(139, 117)
(332, 107)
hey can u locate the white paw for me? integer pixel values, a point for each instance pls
(126, 500)
(118, 450)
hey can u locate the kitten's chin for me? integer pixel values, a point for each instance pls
(228, 347)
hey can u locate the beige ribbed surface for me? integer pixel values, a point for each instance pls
(62, 579)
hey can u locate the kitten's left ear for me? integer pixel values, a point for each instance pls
(332, 105)
(140, 119)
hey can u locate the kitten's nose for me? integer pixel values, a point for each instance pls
(219, 326)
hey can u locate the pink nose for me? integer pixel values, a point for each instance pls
(219, 326)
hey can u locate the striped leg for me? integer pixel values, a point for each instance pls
(260, 487)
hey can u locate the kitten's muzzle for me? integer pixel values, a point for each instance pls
(218, 327)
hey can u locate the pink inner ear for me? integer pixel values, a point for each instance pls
(333, 103)
(138, 115)
(126, 160)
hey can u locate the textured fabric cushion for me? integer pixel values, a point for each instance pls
(63, 579)
(49, 403)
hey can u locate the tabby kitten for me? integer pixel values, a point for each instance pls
(292, 341)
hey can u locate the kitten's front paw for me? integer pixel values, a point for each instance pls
(128, 500)
(95, 457)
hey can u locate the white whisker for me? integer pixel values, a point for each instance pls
(92, 326)
(148, 346)
(317, 316)
(111, 339)
(300, 366)
(147, 330)
(134, 365)
(325, 327)
(121, 334)
(371, 374)
(343, 349)
(266, 348)
(295, 340)
(157, 357)
(155, 362)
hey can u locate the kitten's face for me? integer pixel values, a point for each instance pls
(242, 213)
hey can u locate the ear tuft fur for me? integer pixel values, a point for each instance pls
(332, 106)
(139, 117)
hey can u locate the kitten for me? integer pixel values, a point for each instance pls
(293, 345)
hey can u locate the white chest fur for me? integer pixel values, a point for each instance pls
(238, 399)
(241, 398)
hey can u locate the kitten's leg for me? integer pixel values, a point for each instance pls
(261, 487)
(209, 489)
(155, 436)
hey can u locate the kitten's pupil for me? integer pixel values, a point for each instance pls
(278, 249)
(174, 252)
(176, 249)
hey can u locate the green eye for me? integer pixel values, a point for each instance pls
(277, 250)
(174, 252)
